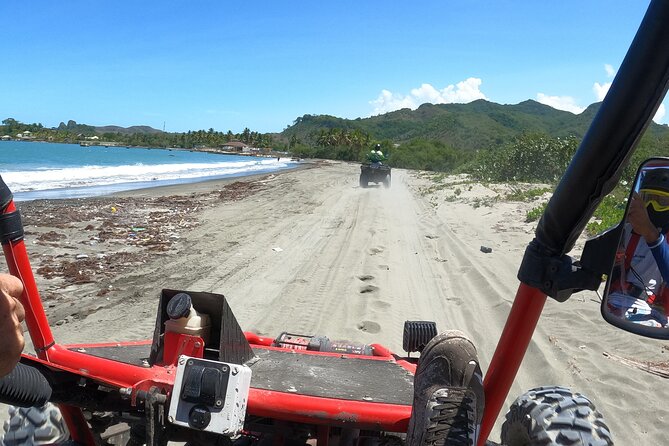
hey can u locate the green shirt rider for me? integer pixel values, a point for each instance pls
(376, 155)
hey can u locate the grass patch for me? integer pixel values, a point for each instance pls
(518, 194)
(535, 213)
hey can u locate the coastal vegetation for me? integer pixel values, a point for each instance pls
(526, 142)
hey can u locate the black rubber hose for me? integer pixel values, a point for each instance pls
(5, 195)
(25, 386)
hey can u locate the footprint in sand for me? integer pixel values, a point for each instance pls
(380, 305)
(375, 251)
(365, 277)
(369, 327)
(368, 289)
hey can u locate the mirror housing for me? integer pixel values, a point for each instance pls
(636, 296)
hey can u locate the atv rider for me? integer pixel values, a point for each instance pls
(376, 156)
(639, 294)
(11, 316)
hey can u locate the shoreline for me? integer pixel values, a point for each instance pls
(207, 184)
(124, 188)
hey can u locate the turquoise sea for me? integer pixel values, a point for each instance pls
(35, 170)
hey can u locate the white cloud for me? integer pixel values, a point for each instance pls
(566, 103)
(659, 114)
(601, 90)
(462, 92)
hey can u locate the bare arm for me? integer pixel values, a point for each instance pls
(641, 224)
(11, 316)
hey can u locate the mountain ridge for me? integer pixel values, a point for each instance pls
(475, 125)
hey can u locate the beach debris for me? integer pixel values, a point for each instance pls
(130, 230)
(660, 368)
(486, 249)
(277, 249)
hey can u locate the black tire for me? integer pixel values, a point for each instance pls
(34, 426)
(550, 416)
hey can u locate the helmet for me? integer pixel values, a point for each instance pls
(656, 179)
(654, 189)
(377, 147)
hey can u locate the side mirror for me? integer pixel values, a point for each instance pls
(636, 297)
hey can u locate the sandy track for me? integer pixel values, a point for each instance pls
(311, 252)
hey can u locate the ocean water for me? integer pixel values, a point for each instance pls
(35, 170)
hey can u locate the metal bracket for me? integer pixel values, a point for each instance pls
(556, 276)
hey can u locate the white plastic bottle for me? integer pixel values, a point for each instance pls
(183, 318)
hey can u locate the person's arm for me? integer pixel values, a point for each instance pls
(641, 224)
(638, 217)
(11, 316)
(660, 251)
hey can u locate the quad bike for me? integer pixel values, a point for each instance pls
(202, 380)
(374, 173)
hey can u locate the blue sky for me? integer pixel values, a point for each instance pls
(261, 64)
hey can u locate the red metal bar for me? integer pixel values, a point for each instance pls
(19, 266)
(80, 433)
(331, 411)
(520, 325)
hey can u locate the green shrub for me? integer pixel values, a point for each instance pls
(530, 158)
(535, 213)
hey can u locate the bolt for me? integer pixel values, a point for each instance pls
(234, 371)
(125, 392)
(170, 419)
(182, 360)
(224, 368)
(219, 403)
(197, 345)
(190, 362)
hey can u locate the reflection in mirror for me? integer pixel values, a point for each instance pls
(637, 291)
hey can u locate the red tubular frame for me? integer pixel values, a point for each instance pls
(511, 348)
(19, 266)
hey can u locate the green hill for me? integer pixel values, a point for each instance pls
(476, 125)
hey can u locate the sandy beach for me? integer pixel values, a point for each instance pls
(309, 251)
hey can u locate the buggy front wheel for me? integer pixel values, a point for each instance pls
(554, 416)
(29, 426)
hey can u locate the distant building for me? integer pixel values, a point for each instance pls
(235, 146)
(5, 138)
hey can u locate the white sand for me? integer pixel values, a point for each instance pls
(356, 263)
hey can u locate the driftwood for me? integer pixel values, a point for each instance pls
(656, 368)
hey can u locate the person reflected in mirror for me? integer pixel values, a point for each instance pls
(639, 293)
(11, 316)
